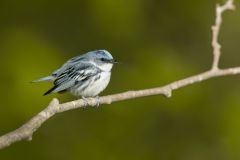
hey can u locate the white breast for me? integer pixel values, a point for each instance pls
(95, 86)
(106, 67)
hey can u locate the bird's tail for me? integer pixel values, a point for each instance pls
(48, 78)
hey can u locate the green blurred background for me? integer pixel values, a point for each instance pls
(158, 42)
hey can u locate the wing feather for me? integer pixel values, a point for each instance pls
(72, 75)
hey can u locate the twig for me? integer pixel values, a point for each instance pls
(215, 32)
(26, 131)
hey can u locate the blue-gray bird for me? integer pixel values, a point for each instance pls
(86, 75)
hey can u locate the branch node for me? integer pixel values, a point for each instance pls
(44, 114)
(167, 92)
(54, 102)
(215, 68)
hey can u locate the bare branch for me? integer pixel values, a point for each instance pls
(26, 131)
(215, 31)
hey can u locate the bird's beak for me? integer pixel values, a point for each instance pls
(113, 61)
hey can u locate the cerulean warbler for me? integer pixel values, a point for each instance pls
(86, 75)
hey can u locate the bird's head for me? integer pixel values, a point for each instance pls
(101, 58)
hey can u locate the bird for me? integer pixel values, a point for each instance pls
(83, 76)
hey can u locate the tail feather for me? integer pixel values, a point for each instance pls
(48, 78)
(50, 91)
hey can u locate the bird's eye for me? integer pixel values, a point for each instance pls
(103, 59)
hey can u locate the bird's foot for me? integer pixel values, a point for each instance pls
(85, 102)
(90, 101)
(98, 101)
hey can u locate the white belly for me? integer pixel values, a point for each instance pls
(94, 88)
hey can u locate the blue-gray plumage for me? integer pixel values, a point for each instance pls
(86, 75)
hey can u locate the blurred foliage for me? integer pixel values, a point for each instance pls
(157, 42)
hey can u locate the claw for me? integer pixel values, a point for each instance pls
(85, 101)
(98, 101)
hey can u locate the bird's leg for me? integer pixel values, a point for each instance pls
(85, 101)
(98, 101)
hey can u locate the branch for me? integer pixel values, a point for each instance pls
(26, 131)
(215, 31)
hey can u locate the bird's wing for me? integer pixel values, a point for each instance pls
(72, 75)
(71, 62)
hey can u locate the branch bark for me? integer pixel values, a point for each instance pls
(216, 29)
(26, 131)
